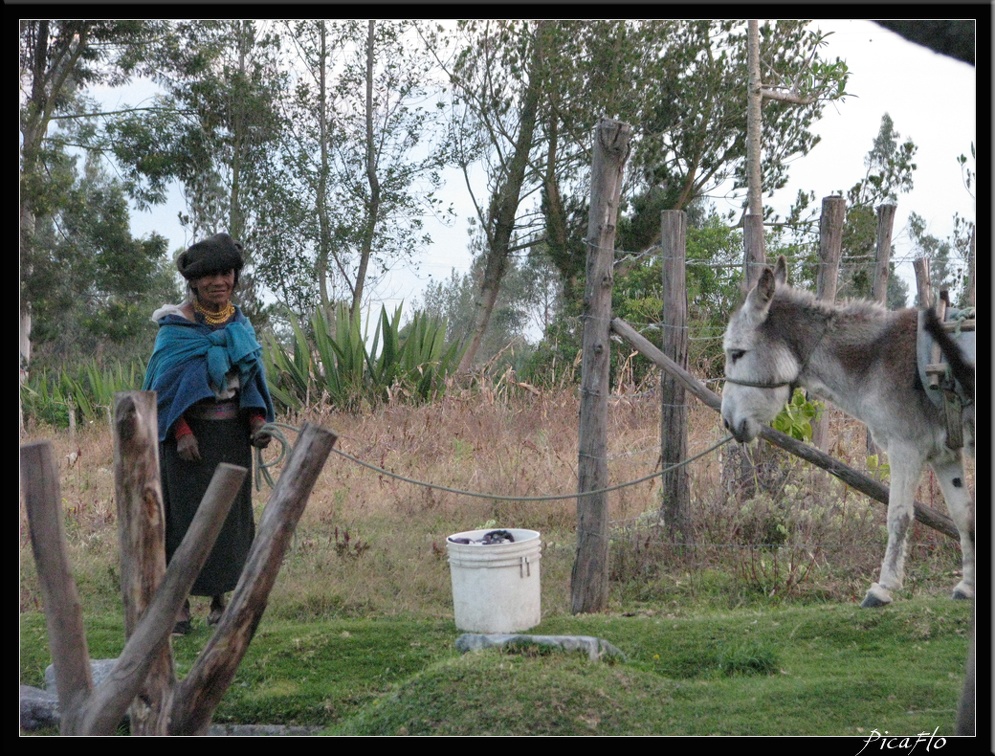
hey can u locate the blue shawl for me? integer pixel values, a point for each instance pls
(189, 358)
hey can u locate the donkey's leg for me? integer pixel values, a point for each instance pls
(951, 478)
(905, 471)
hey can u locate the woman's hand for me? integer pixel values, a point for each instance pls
(187, 449)
(257, 436)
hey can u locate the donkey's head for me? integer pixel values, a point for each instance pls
(760, 367)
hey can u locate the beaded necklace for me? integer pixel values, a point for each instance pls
(212, 318)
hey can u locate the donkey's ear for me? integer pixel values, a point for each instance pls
(763, 292)
(781, 271)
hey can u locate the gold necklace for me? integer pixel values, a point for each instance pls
(212, 318)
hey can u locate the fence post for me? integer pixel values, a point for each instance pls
(675, 506)
(924, 292)
(830, 249)
(882, 272)
(589, 578)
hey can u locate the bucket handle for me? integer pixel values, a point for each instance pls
(524, 567)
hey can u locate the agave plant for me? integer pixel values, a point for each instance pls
(348, 368)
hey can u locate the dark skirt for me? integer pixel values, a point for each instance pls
(183, 487)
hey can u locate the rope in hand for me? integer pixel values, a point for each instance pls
(273, 429)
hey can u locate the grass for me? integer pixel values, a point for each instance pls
(802, 670)
(754, 631)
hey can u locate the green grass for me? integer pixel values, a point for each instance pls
(825, 669)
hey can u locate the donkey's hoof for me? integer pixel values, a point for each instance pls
(876, 596)
(962, 592)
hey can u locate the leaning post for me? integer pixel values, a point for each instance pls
(589, 578)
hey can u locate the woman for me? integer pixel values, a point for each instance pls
(213, 402)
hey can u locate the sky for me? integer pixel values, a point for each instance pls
(931, 99)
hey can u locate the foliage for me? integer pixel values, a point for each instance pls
(92, 286)
(357, 165)
(211, 131)
(948, 258)
(337, 363)
(797, 416)
(63, 397)
(889, 172)
(57, 60)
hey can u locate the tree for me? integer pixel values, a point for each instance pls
(497, 90)
(357, 164)
(56, 60)
(211, 130)
(94, 286)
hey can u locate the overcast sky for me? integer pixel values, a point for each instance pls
(931, 98)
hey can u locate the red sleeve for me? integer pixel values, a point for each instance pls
(181, 428)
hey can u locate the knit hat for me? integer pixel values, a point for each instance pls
(214, 254)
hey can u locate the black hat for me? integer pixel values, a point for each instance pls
(212, 255)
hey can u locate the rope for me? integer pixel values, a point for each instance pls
(273, 430)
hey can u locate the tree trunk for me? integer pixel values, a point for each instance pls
(675, 486)
(141, 532)
(63, 611)
(373, 209)
(589, 578)
(504, 208)
(754, 251)
(754, 104)
(198, 694)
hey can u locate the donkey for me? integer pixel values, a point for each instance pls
(862, 358)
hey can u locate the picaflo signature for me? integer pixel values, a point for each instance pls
(907, 743)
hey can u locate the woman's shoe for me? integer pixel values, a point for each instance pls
(217, 609)
(183, 624)
(183, 627)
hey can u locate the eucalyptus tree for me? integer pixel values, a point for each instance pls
(57, 59)
(214, 124)
(357, 162)
(496, 76)
(95, 285)
(528, 95)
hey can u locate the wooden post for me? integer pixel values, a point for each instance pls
(754, 250)
(830, 249)
(589, 578)
(675, 488)
(882, 259)
(141, 531)
(882, 272)
(63, 612)
(924, 292)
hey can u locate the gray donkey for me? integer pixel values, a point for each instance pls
(862, 358)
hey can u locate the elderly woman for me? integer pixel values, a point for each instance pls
(213, 402)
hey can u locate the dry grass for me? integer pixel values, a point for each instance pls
(370, 544)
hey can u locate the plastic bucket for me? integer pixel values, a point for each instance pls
(495, 586)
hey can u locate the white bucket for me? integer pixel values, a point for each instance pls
(495, 586)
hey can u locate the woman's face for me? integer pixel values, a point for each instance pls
(215, 289)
